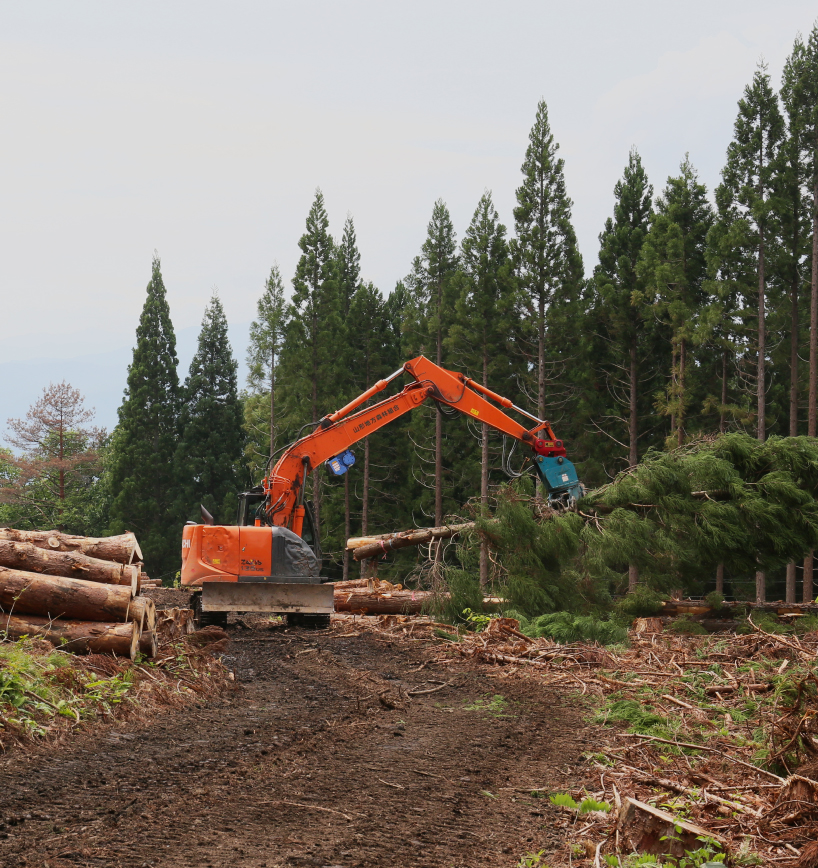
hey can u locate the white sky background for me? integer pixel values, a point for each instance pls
(201, 129)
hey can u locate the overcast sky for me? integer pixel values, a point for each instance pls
(201, 130)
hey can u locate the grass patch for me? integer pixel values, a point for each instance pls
(496, 706)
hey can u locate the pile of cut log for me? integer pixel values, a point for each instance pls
(81, 594)
(374, 597)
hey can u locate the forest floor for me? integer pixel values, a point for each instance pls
(346, 747)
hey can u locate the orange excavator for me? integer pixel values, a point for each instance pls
(270, 560)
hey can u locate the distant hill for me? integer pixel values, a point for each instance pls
(99, 376)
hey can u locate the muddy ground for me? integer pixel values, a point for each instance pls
(317, 756)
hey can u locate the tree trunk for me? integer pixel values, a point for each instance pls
(484, 479)
(143, 611)
(673, 382)
(78, 637)
(484, 500)
(393, 603)
(58, 597)
(680, 421)
(789, 591)
(633, 444)
(813, 365)
(722, 412)
(439, 419)
(74, 565)
(272, 402)
(365, 502)
(148, 643)
(347, 526)
(540, 373)
(720, 579)
(761, 387)
(633, 419)
(370, 547)
(122, 549)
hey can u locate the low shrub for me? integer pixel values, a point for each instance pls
(643, 602)
(563, 627)
(686, 626)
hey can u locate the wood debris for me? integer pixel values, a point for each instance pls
(719, 732)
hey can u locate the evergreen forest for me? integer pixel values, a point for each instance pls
(698, 321)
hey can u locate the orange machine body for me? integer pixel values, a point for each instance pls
(219, 553)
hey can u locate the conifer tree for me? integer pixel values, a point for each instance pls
(266, 337)
(349, 267)
(482, 334)
(621, 292)
(142, 470)
(749, 175)
(211, 443)
(794, 214)
(673, 266)
(806, 94)
(311, 360)
(349, 279)
(432, 291)
(617, 280)
(546, 257)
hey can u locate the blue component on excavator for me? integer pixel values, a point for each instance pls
(341, 463)
(559, 476)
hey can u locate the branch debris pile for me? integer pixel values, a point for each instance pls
(719, 732)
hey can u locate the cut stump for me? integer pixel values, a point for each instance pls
(645, 829)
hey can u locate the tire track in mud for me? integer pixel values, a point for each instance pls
(318, 757)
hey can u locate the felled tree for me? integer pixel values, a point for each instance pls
(731, 500)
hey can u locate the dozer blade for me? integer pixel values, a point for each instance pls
(267, 597)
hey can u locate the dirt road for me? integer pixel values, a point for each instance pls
(318, 757)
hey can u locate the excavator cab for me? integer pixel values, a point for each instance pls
(250, 502)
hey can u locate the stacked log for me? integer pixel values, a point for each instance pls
(81, 594)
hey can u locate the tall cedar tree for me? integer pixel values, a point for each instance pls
(209, 457)
(51, 479)
(545, 252)
(620, 287)
(621, 291)
(311, 357)
(795, 217)
(143, 481)
(485, 322)
(431, 285)
(806, 94)
(349, 279)
(672, 264)
(749, 176)
(266, 338)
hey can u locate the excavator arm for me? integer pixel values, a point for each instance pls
(334, 434)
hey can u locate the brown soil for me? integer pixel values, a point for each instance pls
(317, 757)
